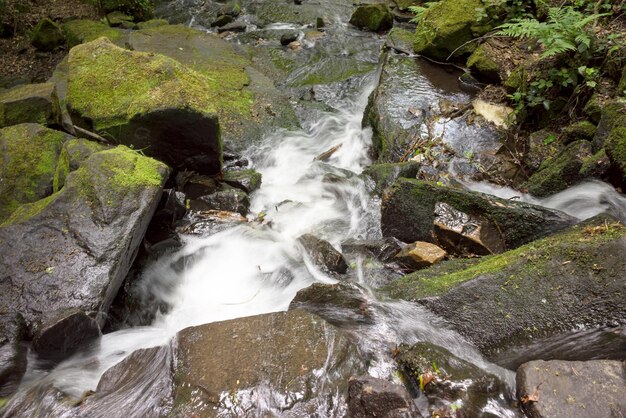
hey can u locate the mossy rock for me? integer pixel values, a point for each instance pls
(621, 86)
(152, 23)
(408, 213)
(613, 115)
(401, 38)
(446, 26)
(148, 101)
(246, 180)
(616, 150)
(140, 9)
(405, 4)
(559, 173)
(483, 62)
(375, 17)
(30, 155)
(74, 152)
(385, 174)
(47, 35)
(542, 145)
(118, 18)
(73, 248)
(30, 103)
(543, 288)
(578, 130)
(82, 30)
(593, 108)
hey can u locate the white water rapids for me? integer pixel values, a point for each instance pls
(258, 267)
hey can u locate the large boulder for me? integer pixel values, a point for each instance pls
(65, 256)
(446, 26)
(551, 389)
(148, 101)
(247, 103)
(30, 156)
(414, 210)
(83, 30)
(569, 280)
(296, 358)
(47, 35)
(375, 17)
(34, 103)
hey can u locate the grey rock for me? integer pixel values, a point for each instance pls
(323, 254)
(372, 397)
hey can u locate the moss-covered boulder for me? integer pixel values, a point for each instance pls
(147, 101)
(72, 249)
(558, 173)
(139, 9)
(385, 174)
(73, 153)
(446, 26)
(152, 23)
(120, 19)
(621, 86)
(82, 30)
(583, 129)
(616, 150)
(246, 180)
(375, 17)
(47, 35)
(30, 154)
(483, 62)
(401, 38)
(562, 282)
(34, 103)
(408, 214)
(247, 102)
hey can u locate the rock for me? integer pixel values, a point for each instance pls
(241, 94)
(74, 248)
(498, 114)
(236, 26)
(210, 222)
(118, 18)
(246, 180)
(341, 304)
(613, 115)
(375, 17)
(405, 4)
(289, 37)
(171, 114)
(408, 213)
(566, 281)
(542, 145)
(319, 23)
(464, 234)
(323, 254)
(34, 103)
(446, 26)
(47, 35)
(232, 8)
(385, 174)
(419, 255)
(74, 152)
(621, 87)
(140, 10)
(153, 23)
(446, 379)
(483, 62)
(559, 173)
(559, 388)
(226, 198)
(384, 249)
(61, 333)
(616, 150)
(292, 352)
(12, 353)
(222, 20)
(81, 31)
(578, 130)
(194, 185)
(30, 154)
(371, 397)
(401, 39)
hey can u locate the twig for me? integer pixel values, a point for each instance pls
(91, 135)
(487, 36)
(412, 54)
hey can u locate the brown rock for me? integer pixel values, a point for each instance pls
(420, 254)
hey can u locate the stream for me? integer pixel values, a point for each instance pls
(257, 267)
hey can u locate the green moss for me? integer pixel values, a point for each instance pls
(445, 26)
(595, 165)
(28, 210)
(482, 62)
(120, 84)
(385, 174)
(616, 149)
(30, 159)
(3, 401)
(529, 260)
(81, 31)
(374, 17)
(401, 38)
(593, 108)
(139, 9)
(153, 23)
(621, 87)
(47, 35)
(579, 130)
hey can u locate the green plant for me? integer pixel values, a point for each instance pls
(565, 30)
(419, 10)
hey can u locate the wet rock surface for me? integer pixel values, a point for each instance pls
(371, 397)
(409, 214)
(323, 254)
(219, 371)
(572, 388)
(12, 352)
(544, 288)
(61, 333)
(419, 255)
